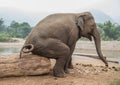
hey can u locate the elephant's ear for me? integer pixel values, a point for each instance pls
(80, 23)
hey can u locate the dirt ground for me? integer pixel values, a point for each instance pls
(86, 71)
(82, 74)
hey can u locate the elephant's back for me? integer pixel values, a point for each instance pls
(57, 18)
(54, 26)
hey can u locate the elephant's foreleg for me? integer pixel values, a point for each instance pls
(70, 65)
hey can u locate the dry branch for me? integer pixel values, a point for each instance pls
(95, 57)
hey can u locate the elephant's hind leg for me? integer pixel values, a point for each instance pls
(58, 50)
(61, 55)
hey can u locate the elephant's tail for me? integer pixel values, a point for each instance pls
(26, 49)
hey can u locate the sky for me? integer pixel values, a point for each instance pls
(111, 7)
(36, 6)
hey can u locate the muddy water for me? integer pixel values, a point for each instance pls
(9, 50)
(107, 53)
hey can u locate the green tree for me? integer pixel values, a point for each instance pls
(2, 26)
(13, 29)
(18, 30)
(25, 29)
(110, 31)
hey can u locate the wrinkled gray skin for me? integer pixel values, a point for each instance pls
(56, 35)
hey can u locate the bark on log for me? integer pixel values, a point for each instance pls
(96, 57)
(12, 65)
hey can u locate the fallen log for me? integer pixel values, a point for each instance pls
(12, 65)
(96, 57)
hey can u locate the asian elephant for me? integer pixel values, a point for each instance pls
(56, 35)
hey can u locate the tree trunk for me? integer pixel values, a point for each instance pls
(12, 65)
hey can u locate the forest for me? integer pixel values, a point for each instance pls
(109, 31)
(14, 30)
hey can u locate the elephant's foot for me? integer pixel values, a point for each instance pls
(59, 73)
(67, 71)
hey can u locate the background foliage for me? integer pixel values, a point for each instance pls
(108, 30)
(14, 30)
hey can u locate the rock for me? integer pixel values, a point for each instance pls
(12, 65)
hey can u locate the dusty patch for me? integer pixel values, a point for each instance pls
(82, 74)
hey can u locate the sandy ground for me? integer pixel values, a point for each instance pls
(87, 71)
(82, 74)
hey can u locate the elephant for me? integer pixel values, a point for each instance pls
(56, 35)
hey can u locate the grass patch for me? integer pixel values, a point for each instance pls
(4, 38)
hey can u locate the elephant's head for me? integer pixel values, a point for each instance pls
(88, 29)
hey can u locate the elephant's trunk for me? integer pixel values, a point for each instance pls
(97, 41)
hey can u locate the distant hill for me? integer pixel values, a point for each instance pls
(101, 17)
(9, 15)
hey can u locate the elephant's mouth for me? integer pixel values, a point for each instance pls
(89, 36)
